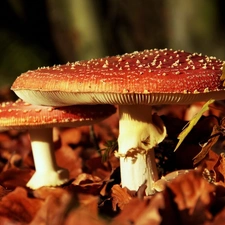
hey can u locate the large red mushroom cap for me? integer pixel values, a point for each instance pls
(147, 77)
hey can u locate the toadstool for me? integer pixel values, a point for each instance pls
(135, 82)
(39, 121)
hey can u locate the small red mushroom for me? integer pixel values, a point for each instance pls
(39, 121)
(135, 82)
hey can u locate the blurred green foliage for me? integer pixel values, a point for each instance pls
(22, 38)
(35, 33)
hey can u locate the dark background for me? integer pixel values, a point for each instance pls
(36, 33)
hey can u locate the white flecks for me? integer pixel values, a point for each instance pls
(204, 66)
(138, 61)
(206, 90)
(196, 92)
(159, 66)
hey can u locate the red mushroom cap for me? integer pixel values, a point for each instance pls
(23, 115)
(147, 77)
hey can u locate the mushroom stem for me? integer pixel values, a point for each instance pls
(47, 173)
(140, 132)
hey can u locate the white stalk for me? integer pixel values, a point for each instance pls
(47, 173)
(140, 132)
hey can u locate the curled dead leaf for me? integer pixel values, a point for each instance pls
(207, 146)
(120, 197)
(87, 183)
(17, 206)
(193, 196)
(82, 216)
(14, 177)
(55, 207)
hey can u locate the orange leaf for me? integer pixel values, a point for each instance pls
(193, 196)
(120, 197)
(17, 206)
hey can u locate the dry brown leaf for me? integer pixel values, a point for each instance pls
(193, 197)
(89, 202)
(82, 216)
(44, 192)
(86, 183)
(215, 168)
(97, 167)
(3, 192)
(136, 206)
(55, 207)
(17, 206)
(142, 212)
(70, 159)
(207, 147)
(59, 203)
(152, 213)
(221, 168)
(85, 178)
(218, 220)
(211, 160)
(15, 177)
(120, 197)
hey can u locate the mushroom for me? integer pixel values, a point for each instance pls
(39, 121)
(134, 82)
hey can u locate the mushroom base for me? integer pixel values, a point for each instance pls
(48, 173)
(140, 132)
(51, 178)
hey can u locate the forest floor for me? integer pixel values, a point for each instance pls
(94, 196)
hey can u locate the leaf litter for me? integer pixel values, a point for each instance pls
(94, 195)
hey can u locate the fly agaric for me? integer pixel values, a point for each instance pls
(135, 82)
(39, 121)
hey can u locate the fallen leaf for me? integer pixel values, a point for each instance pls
(17, 206)
(193, 196)
(136, 206)
(14, 177)
(207, 147)
(120, 197)
(69, 159)
(221, 168)
(192, 123)
(87, 183)
(3, 192)
(89, 202)
(218, 220)
(152, 213)
(55, 206)
(82, 216)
